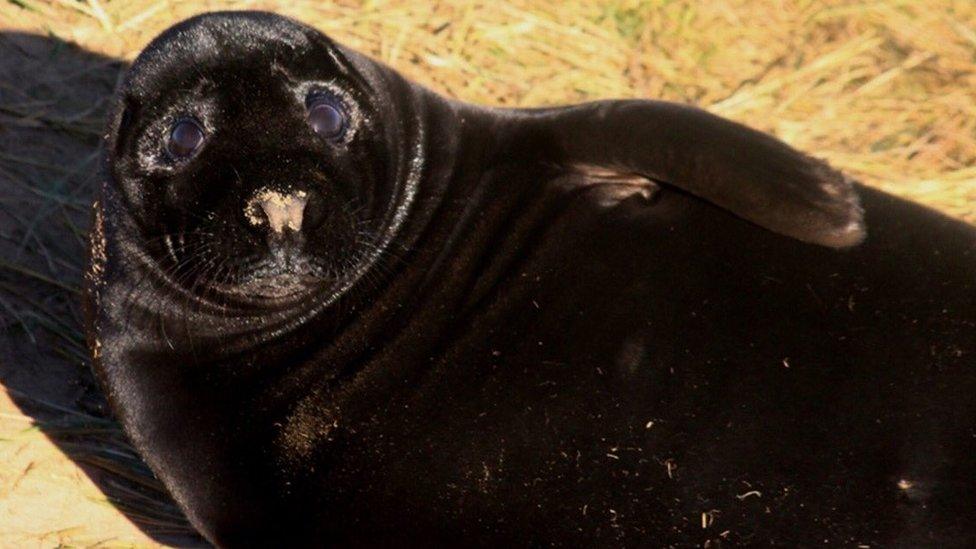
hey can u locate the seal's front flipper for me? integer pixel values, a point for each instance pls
(747, 172)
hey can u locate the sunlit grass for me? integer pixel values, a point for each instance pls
(885, 89)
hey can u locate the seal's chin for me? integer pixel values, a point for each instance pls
(284, 275)
(283, 286)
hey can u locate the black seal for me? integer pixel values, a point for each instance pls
(331, 307)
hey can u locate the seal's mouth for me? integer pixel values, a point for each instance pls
(286, 271)
(279, 287)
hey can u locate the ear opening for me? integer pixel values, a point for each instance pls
(120, 122)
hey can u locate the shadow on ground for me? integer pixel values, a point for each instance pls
(53, 99)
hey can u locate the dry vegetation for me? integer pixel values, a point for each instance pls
(883, 89)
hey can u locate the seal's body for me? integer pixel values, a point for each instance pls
(331, 307)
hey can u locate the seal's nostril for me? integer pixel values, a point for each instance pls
(280, 211)
(315, 211)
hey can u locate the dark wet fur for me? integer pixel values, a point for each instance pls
(539, 351)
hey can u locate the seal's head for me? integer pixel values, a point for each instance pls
(251, 154)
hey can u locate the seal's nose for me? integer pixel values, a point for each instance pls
(280, 210)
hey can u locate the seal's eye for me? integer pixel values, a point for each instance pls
(326, 117)
(184, 139)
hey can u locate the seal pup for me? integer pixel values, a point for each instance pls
(331, 307)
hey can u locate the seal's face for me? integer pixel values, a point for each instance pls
(254, 166)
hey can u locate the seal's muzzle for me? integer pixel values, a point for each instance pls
(280, 211)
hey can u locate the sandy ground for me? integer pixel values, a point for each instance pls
(47, 500)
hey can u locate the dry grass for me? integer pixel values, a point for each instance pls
(884, 89)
